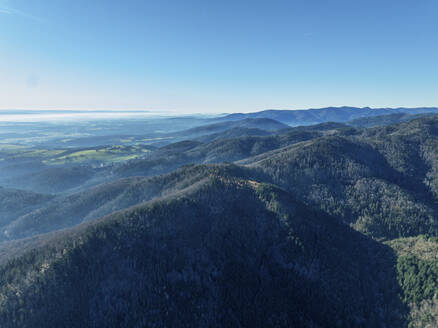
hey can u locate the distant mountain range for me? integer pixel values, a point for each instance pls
(328, 114)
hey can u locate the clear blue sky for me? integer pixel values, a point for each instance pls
(217, 56)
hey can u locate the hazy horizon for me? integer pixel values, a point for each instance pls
(40, 115)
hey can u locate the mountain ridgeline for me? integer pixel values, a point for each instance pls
(227, 252)
(233, 225)
(329, 114)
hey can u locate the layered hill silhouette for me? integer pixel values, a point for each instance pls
(379, 180)
(329, 225)
(328, 114)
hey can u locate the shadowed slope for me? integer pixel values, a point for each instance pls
(224, 253)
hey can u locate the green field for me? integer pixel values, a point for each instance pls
(103, 155)
(98, 155)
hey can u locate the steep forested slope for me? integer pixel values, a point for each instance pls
(383, 181)
(417, 273)
(225, 253)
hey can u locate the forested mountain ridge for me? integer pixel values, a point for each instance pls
(223, 149)
(266, 124)
(383, 181)
(381, 120)
(317, 226)
(227, 252)
(70, 210)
